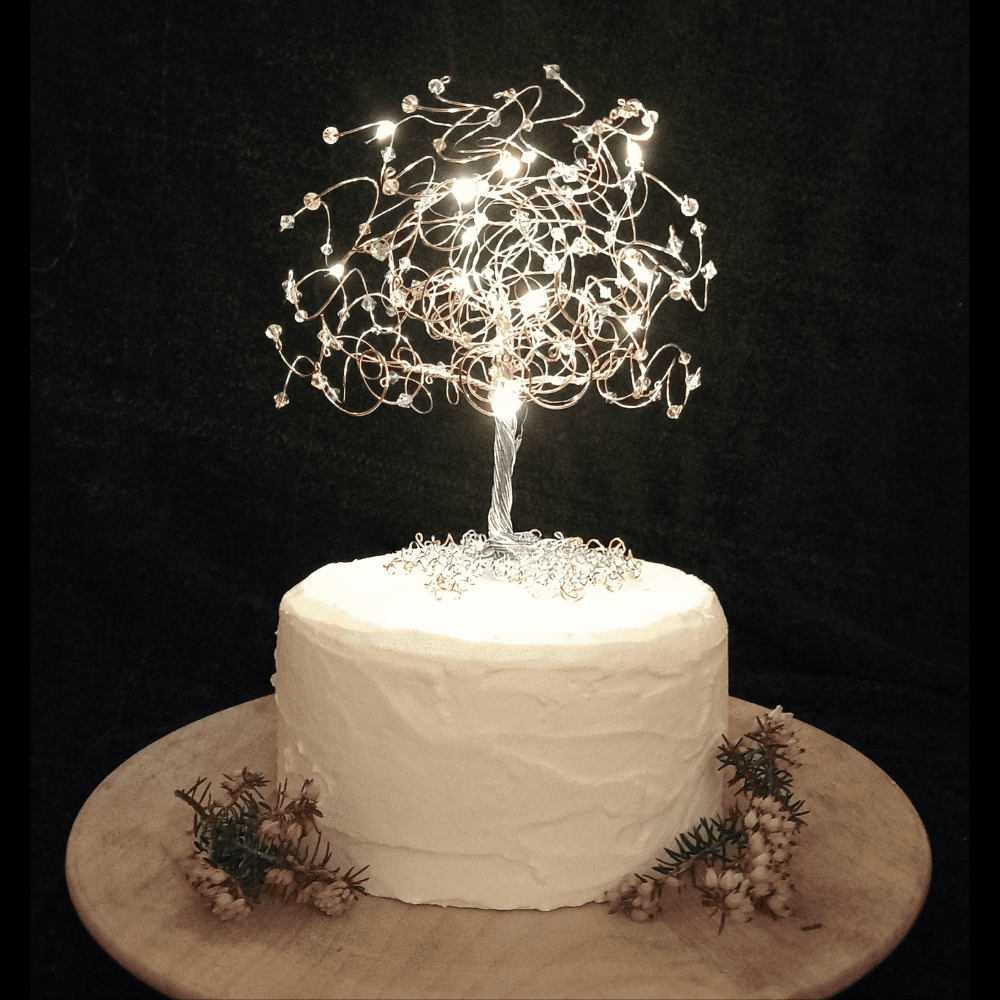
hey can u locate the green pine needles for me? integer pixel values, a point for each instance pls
(246, 845)
(738, 861)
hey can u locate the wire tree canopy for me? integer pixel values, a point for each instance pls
(503, 260)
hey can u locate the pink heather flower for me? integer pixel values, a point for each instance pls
(270, 830)
(777, 716)
(628, 884)
(334, 899)
(730, 880)
(739, 906)
(281, 877)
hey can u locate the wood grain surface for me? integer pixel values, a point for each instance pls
(862, 872)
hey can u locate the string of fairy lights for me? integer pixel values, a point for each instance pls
(508, 249)
(531, 266)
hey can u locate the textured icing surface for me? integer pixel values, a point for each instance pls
(501, 751)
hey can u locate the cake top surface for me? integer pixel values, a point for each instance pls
(363, 594)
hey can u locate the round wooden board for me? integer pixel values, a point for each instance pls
(862, 870)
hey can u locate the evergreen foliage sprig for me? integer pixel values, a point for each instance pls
(738, 861)
(246, 845)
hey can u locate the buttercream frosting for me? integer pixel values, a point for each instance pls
(501, 750)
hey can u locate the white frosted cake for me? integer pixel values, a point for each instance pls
(501, 750)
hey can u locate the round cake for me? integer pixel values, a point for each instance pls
(501, 750)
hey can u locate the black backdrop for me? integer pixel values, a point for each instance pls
(818, 478)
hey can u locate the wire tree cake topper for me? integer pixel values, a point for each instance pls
(514, 254)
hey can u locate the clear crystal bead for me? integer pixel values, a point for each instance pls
(689, 206)
(388, 154)
(301, 316)
(436, 87)
(288, 222)
(494, 119)
(584, 133)
(552, 264)
(674, 411)
(273, 332)
(693, 380)
(410, 103)
(439, 144)
(698, 229)
(281, 400)
(567, 171)
(312, 201)
(326, 249)
(551, 71)
(405, 399)
(628, 184)
(368, 304)
(709, 271)
(330, 135)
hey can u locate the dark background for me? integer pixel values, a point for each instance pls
(818, 479)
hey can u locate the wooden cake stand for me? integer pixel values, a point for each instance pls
(862, 871)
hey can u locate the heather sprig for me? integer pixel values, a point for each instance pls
(246, 844)
(739, 861)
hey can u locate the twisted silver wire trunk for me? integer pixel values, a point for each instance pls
(505, 445)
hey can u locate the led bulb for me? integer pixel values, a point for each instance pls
(464, 189)
(509, 164)
(337, 271)
(506, 400)
(385, 130)
(532, 303)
